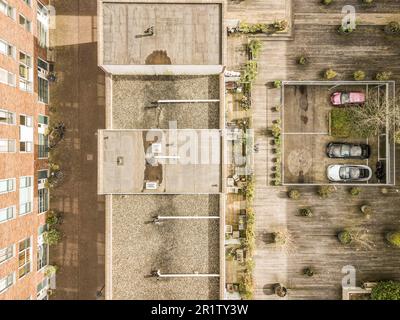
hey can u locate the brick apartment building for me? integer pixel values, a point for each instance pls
(24, 99)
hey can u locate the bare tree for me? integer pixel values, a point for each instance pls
(375, 115)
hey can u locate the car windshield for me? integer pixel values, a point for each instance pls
(345, 97)
(349, 173)
(345, 150)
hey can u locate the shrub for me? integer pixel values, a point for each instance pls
(305, 212)
(386, 290)
(276, 129)
(249, 191)
(393, 27)
(394, 238)
(366, 210)
(359, 75)
(246, 286)
(302, 60)
(52, 218)
(245, 102)
(294, 194)
(254, 47)
(50, 271)
(280, 25)
(52, 237)
(330, 74)
(326, 2)
(345, 237)
(383, 76)
(345, 30)
(250, 72)
(325, 191)
(397, 137)
(368, 1)
(355, 191)
(277, 84)
(308, 271)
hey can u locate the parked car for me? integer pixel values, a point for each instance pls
(347, 98)
(348, 172)
(347, 150)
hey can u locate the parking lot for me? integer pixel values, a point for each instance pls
(306, 133)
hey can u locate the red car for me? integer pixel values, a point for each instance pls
(346, 98)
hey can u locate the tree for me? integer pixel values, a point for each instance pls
(386, 290)
(52, 237)
(374, 115)
(394, 238)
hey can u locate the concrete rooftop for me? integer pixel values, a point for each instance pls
(184, 33)
(130, 158)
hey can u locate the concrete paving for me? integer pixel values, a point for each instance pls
(78, 99)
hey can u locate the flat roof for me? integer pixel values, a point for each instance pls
(184, 33)
(175, 246)
(134, 102)
(176, 161)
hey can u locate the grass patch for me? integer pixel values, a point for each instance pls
(340, 123)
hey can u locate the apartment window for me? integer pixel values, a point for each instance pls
(43, 249)
(7, 77)
(42, 288)
(7, 117)
(24, 257)
(43, 191)
(25, 72)
(7, 49)
(6, 253)
(42, 25)
(43, 89)
(7, 185)
(43, 144)
(7, 282)
(7, 146)
(25, 195)
(6, 9)
(26, 133)
(24, 22)
(7, 214)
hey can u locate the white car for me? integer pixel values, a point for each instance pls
(348, 172)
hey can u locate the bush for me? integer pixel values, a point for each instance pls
(383, 76)
(50, 271)
(345, 30)
(345, 237)
(368, 1)
(325, 191)
(254, 47)
(52, 237)
(393, 27)
(250, 72)
(308, 272)
(326, 2)
(397, 137)
(280, 25)
(52, 218)
(355, 191)
(246, 286)
(302, 60)
(277, 84)
(386, 290)
(366, 210)
(294, 194)
(276, 129)
(359, 75)
(394, 238)
(305, 212)
(330, 74)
